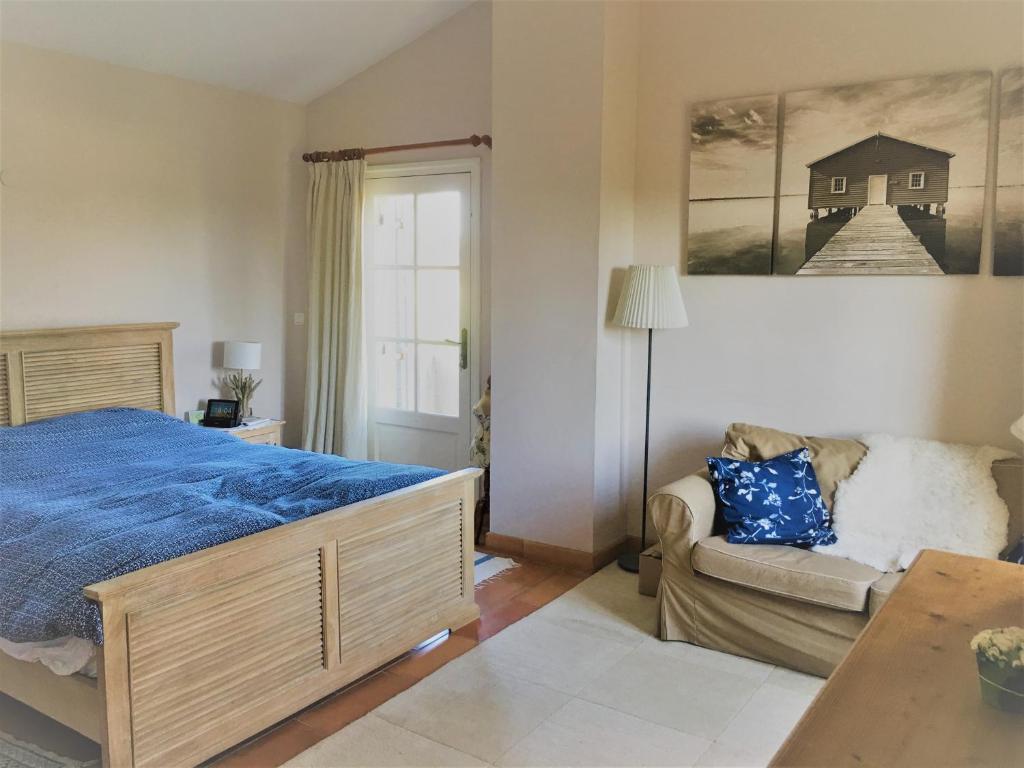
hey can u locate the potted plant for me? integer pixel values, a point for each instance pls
(1000, 656)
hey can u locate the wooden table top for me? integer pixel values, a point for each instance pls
(907, 694)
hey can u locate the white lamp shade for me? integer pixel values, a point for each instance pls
(650, 298)
(243, 355)
(1017, 428)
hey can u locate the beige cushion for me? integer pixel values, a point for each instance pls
(881, 590)
(788, 571)
(833, 459)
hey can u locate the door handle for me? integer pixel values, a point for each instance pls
(463, 343)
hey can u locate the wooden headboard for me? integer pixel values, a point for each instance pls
(55, 371)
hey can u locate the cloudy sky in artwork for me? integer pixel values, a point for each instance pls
(732, 148)
(949, 112)
(1011, 128)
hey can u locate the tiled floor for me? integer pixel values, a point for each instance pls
(580, 682)
(505, 599)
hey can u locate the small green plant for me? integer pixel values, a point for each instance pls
(243, 386)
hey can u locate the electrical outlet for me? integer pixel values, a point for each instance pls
(300, 318)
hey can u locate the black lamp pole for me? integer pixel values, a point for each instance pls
(630, 561)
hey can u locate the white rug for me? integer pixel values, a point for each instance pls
(580, 682)
(487, 567)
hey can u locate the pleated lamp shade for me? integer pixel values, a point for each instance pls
(651, 299)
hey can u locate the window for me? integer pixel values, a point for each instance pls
(415, 261)
(917, 179)
(838, 185)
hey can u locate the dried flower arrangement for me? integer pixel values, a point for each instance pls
(1003, 647)
(1000, 656)
(243, 386)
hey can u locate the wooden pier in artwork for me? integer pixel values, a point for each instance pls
(874, 242)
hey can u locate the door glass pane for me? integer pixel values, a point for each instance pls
(394, 225)
(438, 379)
(439, 226)
(393, 303)
(438, 304)
(396, 367)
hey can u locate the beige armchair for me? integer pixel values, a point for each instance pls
(783, 605)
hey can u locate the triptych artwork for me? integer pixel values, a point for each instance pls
(878, 178)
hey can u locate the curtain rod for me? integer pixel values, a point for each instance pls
(356, 152)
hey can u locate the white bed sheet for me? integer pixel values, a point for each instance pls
(62, 655)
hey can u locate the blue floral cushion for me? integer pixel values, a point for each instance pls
(772, 502)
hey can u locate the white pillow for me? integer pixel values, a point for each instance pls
(910, 494)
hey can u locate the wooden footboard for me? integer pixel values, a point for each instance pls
(206, 650)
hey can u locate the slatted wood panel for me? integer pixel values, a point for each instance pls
(5, 392)
(396, 578)
(229, 649)
(71, 380)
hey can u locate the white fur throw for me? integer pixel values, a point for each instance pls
(909, 494)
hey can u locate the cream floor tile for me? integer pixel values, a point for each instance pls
(726, 662)
(372, 742)
(605, 606)
(546, 653)
(798, 682)
(586, 735)
(482, 714)
(723, 756)
(694, 698)
(763, 723)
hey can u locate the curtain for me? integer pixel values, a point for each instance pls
(335, 416)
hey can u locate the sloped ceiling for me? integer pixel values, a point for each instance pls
(291, 50)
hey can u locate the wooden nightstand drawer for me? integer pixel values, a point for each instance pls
(265, 434)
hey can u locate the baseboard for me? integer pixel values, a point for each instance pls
(576, 559)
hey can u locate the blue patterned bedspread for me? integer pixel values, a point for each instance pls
(90, 496)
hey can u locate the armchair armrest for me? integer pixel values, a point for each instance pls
(683, 513)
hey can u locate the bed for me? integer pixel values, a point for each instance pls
(206, 649)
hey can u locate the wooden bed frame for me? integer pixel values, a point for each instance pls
(203, 651)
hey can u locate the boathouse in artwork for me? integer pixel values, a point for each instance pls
(877, 170)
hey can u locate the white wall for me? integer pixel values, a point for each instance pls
(133, 197)
(934, 357)
(547, 111)
(437, 87)
(615, 253)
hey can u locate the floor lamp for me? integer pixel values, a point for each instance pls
(650, 299)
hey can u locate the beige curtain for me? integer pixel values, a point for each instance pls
(335, 416)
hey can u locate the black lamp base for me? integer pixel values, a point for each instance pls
(630, 561)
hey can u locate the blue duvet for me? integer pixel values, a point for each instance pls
(90, 496)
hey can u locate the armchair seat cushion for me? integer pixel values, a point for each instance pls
(881, 590)
(798, 574)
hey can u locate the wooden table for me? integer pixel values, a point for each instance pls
(907, 693)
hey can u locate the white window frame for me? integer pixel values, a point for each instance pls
(470, 165)
(910, 180)
(832, 185)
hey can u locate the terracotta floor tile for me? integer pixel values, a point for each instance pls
(272, 748)
(348, 705)
(510, 583)
(554, 586)
(419, 664)
(497, 619)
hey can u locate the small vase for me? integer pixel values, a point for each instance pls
(1001, 687)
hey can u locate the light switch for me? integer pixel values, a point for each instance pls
(300, 318)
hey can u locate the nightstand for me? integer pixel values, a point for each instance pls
(264, 434)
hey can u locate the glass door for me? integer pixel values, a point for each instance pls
(417, 256)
